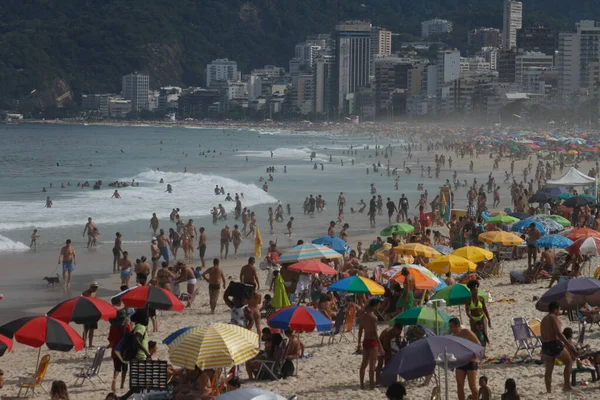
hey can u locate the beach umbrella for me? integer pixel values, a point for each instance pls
(564, 196)
(541, 197)
(357, 284)
(37, 331)
(443, 250)
(457, 294)
(474, 253)
(589, 246)
(520, 214)
(581, 233)
(502, 219)
(6, 344)
(214, 346)
(451, 263)
(429, 317)
(555, 191)
(299, 319)
(280, 296)
(400, 229)
(424, 278)
(554, 241)
(250, 393)
(152, 297)
(416, 249)
(557, 218)
(335, 243)
(548, 224)
(82, 310)
(579, 200)
(526, 223)
(308, 252)
(171, 338)
(312, 267)
(572, 294)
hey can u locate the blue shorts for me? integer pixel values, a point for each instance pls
(125, 273)
(68, 266)
(164, 253)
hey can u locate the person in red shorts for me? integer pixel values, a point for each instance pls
(370, 343)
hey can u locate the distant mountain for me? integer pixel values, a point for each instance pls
(51, 51)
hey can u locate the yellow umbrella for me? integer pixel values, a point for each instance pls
(572, 152)
(500, 237)
(213, 346)
(416, 249)
(450, 263)
(493, 213)
(473, 253)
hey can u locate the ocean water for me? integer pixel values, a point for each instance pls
(34, 156)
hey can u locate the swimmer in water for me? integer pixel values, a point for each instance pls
(116, 195)
(48, 202)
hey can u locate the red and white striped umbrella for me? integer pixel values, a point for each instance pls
(589, 246)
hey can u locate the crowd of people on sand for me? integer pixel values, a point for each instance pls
(250, 304)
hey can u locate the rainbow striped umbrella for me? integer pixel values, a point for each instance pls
(357, 284)
(213, 346)
(308, 252)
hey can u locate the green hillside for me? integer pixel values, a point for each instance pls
(51, 46)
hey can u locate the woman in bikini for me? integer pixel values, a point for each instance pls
(479, 318)
(236, 238)
(188, 252)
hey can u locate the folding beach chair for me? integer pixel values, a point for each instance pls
(31, 382)
(337, 327)
(523, 337)
(535, 326)
(272, 369)
(91, 371)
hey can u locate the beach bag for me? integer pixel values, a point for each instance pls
(127, 347)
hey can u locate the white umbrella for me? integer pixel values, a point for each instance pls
(251, 393)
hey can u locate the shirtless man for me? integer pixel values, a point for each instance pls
(370, 345)
(555, 345)
(248, 274)
(154, 223)
(202, 246)
(253, 314)
(386, 338)
(225, 239)
(532, 236)
(191, 229)
(117, 251)
(547, 260)
(341, 202)
(330, 230)
(163, 245)
(293, 351)
(69, 261)
(236, 239)
(469, 370)
(407, 298)
(154, 255)
(89, 228)
(186, 274)
(214, 276)
(88, 328)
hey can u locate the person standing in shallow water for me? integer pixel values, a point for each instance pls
(69, 260)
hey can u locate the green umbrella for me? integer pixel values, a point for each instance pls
(456, 294)
(557, 218)
(589, 196)
(400, 229)
(564, 196)
(424, 316)
(502, 219)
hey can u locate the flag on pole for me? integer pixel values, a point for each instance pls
(257, 244)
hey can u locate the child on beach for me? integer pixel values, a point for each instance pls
(95, 235)
(485, 393)
(34, 236)
(289, 226)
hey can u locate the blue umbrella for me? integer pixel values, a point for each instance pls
(171, 338)
(336, 244)
(444, 250)
(418, 359)
(554, 241)
(524, 224)
(549, 224)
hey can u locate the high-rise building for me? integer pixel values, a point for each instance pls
(381, 44)
(302, 94)
(530, 60)
(323, 84)
(135, 88)
(448, 70)
(435, 26)
(491, 55)
(306, 53)
(568, 63)
(506, 66)
(537, 38)
(352, 67)
(391, 80)
(95, 102)
(589, 48)
(512, 22)
(484, 37)
(221, 70)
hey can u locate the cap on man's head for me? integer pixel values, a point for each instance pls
(94, 284)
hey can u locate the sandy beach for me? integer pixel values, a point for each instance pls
(331, 372)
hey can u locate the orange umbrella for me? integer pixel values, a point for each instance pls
(422, 276)
(579, 233)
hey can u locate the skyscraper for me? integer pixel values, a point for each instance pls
(512, 22)
(135, 88)
(221, 70)
(352, 66)
(381, 44)
(323, 82)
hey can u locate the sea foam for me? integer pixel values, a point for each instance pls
(9, 245)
